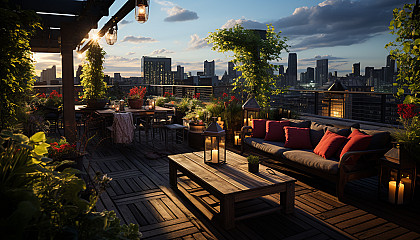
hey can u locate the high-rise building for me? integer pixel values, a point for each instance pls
(209, 68)
(117, 77)
(292, 69)
(390, 63)
(231, 70)
(310, 74)
(321, 75)
(156, 70)
(356, 69)
(79, 72)
(48, 75)
(368, 72)
(179, 72)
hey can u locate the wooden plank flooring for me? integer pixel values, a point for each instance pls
(139, 193)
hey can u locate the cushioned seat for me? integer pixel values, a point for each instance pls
(312, 160)
(276, 148)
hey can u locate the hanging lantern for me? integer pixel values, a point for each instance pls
(214, 144)
(142, 10)
(251, 109)
(111, 35)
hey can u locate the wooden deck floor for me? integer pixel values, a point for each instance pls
(140, 193)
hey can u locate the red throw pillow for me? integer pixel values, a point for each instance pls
(258, 128)
(275, 131)
(329, 144)
(359, 142)
(355, 133)
(297, 138)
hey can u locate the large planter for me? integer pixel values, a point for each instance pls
(135, 103)
(96, 103)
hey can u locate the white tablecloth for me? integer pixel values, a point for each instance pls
(123, 128)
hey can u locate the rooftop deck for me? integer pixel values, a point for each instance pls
(140, 193)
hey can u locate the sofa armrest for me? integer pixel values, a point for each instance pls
(246, 131)
(346, 160)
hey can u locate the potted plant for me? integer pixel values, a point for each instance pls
(135, 97)
(94, 86)
(253, 163)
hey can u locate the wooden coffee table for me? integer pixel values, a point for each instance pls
(231, 183)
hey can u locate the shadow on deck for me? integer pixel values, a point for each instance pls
(140, 193)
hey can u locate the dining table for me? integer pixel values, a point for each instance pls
(106, 112)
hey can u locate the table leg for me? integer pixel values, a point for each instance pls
(227, 211)
(287, 198)
(173, 175)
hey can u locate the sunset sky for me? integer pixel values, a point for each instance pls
(343, 31)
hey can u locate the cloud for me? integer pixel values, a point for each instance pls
(130, 53)
(196, 42)
(124, 22)
(119, 59)
(332, 23)
(248, 24)
(165, 3)
(160, 51)
(178, 14)
(139, 39)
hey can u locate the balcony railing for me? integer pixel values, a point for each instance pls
(364, 106)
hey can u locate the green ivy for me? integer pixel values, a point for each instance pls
(406, 50)
(16, 65)
(252, 56)
(94, 86)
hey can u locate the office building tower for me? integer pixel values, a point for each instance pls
(356, 69)
(390, 62)
(310, 74)
(209, 68)
(117, 77)
(281, 70)
(156, 70)
(179, 72)
(231, 70)
(48, 75)
(368, 72)
(321, 75)
(292, 69)
(78, 73)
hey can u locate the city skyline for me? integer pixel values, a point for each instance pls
(342, 31)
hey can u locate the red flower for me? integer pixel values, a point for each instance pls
(407, 111)
(42, 95)
(233, 98)
(225, 95)
(137, 92)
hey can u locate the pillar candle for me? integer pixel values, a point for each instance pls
(236, 140)
(407, 187)
(391, 192)
(214, 156)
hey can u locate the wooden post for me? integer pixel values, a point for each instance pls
(67, 46)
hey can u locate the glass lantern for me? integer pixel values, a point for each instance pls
(142, 10)
(111, 35)
(251, 109)
(214, 144)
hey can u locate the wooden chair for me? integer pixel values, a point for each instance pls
(160, 119)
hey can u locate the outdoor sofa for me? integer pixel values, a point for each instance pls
(357, 162)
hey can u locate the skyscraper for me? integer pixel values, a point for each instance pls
(390, 63)
(321, 76)
(156, 70)
(48, 74)
(179, 72)
(231, 70)
(209, 68)
(310, 74)
(356, 69)
(292, 70)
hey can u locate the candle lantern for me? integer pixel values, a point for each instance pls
(111, 34)
(237, 138)
(152, 103)
(251, 109)
(142, 10)
(398, 173)
(214, 144)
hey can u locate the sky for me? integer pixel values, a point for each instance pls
(343, 31)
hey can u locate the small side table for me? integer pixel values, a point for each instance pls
(388, 166)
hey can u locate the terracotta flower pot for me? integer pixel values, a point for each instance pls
(135, 103)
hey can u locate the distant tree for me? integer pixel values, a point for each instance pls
(16, 65)
(252, 55)
(406, 50)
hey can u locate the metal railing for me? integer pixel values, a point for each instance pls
(364, 106)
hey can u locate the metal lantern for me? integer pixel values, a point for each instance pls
(214, 144)
(111, 35)
(398, 173)
(142, 10)
(251, 109)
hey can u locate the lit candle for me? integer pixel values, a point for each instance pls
(236, 140)
(391, 192)
(117, 108)
(407, 187)
(214, 156)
